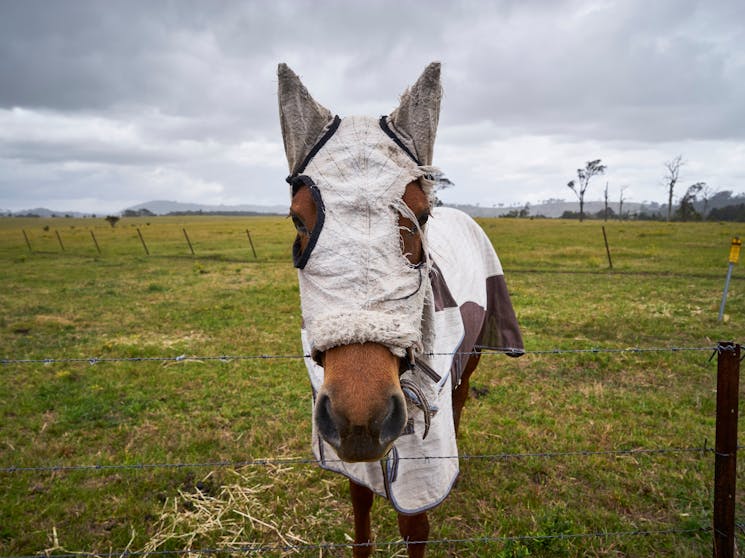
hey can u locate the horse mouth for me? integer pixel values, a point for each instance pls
(355, 451)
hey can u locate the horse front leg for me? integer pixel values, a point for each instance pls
(362, 501)
(414, 528)
(460, 394)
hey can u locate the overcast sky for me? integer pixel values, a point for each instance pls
(108, 104)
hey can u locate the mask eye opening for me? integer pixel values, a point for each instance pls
(300, 254)
(411, 237)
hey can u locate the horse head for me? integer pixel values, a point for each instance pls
(361, 194)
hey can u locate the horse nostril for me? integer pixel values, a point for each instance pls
(325, 421)
(395, 421)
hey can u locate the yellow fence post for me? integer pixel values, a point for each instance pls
(734, 256)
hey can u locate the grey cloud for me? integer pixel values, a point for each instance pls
(540, 67)
(604, 72)
(93, 56)
(193, 78)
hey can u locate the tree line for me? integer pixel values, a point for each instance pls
(696, 203)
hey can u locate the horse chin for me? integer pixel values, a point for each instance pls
(354, 453)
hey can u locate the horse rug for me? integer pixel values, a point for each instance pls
(467, 306)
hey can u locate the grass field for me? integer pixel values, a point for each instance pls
(664, 291)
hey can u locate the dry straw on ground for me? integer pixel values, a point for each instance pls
(236, 517)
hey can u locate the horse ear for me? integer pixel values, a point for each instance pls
(302, 119)
(415, 120)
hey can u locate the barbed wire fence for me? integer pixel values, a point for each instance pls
(725, 457)
(724, 528)
(703, 449)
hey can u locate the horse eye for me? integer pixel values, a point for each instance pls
(299, 225)
(422, 219)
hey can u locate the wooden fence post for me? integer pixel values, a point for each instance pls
(251, 242)
(93, 236)
(59, 239)
(28, 242)
(725, 448)
(147, 252)
(607, 249)
(188, 242)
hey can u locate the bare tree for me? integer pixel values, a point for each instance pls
(671, 178)
(441, 182)
(605, 193)
(579, 186)
(620, 201)
(706, 194)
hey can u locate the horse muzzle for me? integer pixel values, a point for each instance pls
(369, 439)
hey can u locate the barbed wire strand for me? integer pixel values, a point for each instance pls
(259, 549)
(267, 462)
(482, 350)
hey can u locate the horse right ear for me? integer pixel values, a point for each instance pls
(303, 120)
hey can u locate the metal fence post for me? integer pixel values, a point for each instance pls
(725, 458)
(734, 255)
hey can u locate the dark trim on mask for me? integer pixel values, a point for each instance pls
(296, 181)
(299, 259)
(391, 134)
(419, 267)
(316, 148)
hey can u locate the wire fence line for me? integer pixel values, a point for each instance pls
(263, 548)
(482, 350)
(259, 549)
(278, 461)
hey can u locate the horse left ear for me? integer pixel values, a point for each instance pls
(415, 120)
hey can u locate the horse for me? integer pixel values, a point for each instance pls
(397, 298)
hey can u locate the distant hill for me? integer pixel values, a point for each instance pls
(555, 209)
(164, 207)
(550, 208)
(161, 207)
(43, 212)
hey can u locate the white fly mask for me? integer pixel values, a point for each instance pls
(356, 285)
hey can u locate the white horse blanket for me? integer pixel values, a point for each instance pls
(467, 306)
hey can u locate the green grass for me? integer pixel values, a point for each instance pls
(664, 291)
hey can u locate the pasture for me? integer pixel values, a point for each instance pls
(187, 414)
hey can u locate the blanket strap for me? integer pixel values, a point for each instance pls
(413, 393)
